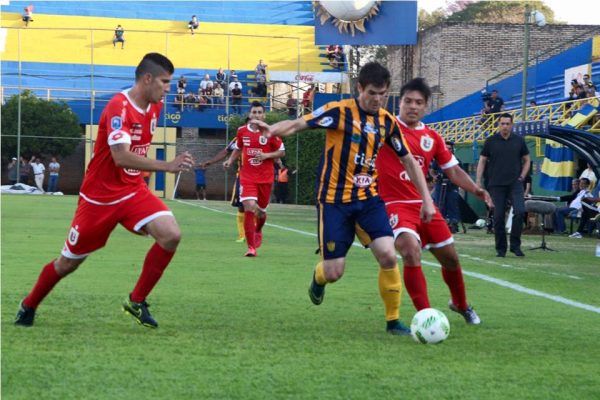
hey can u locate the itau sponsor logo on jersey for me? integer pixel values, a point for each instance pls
(426, 143)
(140, 150)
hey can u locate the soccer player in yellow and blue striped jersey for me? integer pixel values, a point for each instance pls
(347, 185)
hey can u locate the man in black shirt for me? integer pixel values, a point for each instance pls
(505, 156)
(495, 104)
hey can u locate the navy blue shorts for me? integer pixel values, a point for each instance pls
(337, 224)
(235, 196)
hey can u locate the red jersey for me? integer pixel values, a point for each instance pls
(121, 122)
(425, 144)
(251, 143)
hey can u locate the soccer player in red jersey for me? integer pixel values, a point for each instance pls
(114, 192)
(256, 174)
(347, 193)
(403, 203)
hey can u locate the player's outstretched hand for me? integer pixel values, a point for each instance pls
(262, 126)
(427, 211)
(183, 162)
(227, 164)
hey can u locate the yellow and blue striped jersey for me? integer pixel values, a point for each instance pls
(347, 168)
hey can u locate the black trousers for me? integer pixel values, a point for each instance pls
(500, 196)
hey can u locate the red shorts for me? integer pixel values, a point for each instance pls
(405, 217)
(261, 192)
(93, 223)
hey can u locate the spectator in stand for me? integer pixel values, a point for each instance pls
(190, 101)
(495, 103)
(292, 106)
(533, 103)
(28, 15)
(24, 171)
(589, 211)
(209, 93)
(54, 168)
(589, 174)
(202, 103)
(181, 85)
(307, 99)
(205, 82)
(38, 172)
(573, 207)
(221, 77)
(235, 91)
(261, 79)
(587, 83)
(118, 37)
(218, 95)
(193, 24)
(331, 49)
(12, 171)
(339, 57)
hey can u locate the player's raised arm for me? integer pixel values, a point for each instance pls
(126, 159)
(281, 128)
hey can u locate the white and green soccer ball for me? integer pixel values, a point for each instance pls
(430, 326)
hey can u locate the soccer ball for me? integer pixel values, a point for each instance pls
(430, 326)
(480, 223)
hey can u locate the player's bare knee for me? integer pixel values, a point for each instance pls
(333, 275)
(64, 266)
(170, 238)
(387, 260)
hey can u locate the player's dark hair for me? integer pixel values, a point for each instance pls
(154, 64)
(257, 103)
(586, 180)
(416, 85)
(373, 73)
(506, 115)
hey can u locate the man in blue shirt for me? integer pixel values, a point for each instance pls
(200, 182)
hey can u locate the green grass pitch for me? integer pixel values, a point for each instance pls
(239, 328)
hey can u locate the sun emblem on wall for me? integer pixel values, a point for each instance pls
(347, 16)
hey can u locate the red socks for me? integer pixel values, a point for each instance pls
(249, 228)
(260, 222)
(47, 280)
(456, 284)
(155, 263)
(416, 286)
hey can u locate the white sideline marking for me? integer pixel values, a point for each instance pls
(487, 278)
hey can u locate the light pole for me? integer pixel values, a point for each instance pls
(540, 20)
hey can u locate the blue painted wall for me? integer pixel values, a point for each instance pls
(248, 12)
(537, 75)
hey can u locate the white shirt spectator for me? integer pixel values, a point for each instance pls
(589, 174)
(205, 83)
(233, 85)
(38, 168)
(54, 167)
(576, 203)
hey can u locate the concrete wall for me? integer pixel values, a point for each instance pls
(457, 59)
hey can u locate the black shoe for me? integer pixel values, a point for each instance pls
(316, 292)
(139, 311)
(469, 314)
(395, 327)
(517, 252)
(500, 254)
(25, 316)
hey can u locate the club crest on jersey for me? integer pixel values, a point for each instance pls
(116, 123)
(73, 235)
(153, 125)
(393, 220)
(426, 143)
(262, 140)
(325, 122)
(397, 144)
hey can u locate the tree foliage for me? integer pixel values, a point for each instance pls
(309, 147)
(43, 125)
(501, 12)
